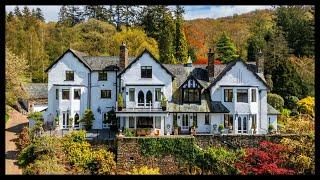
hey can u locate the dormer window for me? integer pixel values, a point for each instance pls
(69, 75)
(191, 91)
(146, 71)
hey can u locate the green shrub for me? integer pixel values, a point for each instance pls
(46, 165)
(285, 112)
(7, 117)
(275, 101)
(76, 136)
(87, 119)
(102, 163)
(163, 101)
(291, 102)
(37, 116)
(128, 133)
(78, 154)
(270, 128)
(221, 127)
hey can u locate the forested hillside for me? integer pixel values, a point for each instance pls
(285, 35)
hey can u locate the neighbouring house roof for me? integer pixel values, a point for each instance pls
(151, 55)
(218, 107)
(37, 90)
(272, 110)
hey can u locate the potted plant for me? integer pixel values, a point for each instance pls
(220, 128)
(120, 102)
(56, 120)
(270, 129)
(168, 129)
(254, 129)
(70, 123)
(193, 127)
(175, 127)
(164, 103)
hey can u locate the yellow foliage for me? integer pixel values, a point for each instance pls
(144, 170)
(301, 124)
(306, 105)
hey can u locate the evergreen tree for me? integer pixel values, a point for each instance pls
(63, 16)
(166, 40)
(17, 12)
(180, 43)
(297, 22)
(286, 80)
(10, 16)
(98, 12)
(39, 14)
(70, 15)
(226, 50)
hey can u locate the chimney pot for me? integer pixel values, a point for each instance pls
(123, 57)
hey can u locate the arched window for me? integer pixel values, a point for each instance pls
(140, 98)
(149, 98)
(244, 125)
(76, 119)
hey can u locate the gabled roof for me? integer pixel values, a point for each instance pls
(137, 58)
(104, 62)
(77, 54)
(272, 110)
(191, 77)
(228, 68)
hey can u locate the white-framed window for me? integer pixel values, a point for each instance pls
(242, 95)
(76, 93)
(228, 95)
(65, 94)
(57, 94)
(131, 122)
(131, 94)
(206, 119)
(253, 95)
(104, 119)
(158, 122)
(105, 94)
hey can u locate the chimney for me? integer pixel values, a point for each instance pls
(210, 66)
(123, 58)
(260, 62)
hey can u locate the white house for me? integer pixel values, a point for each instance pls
(232, 95)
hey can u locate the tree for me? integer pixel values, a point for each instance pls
(286, 80)
(226, 50)
(39, 14)
(98, 12)
(87, 119)
(275, 101)
(144, 170)
(267, 159)
(166, 40)
(180, 43)
(16, 68)
(297, 22)
(17, 12)
(70, 15)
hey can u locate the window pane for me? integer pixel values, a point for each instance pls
(242, 95)
(228, 95)
(106, 94)
(131, 122)
(65, 93)
(131, 94)
(103, 76)
(185, 95)
(158, 94)
(253, 95)
(196, 95)
(158, 122)
(69, 76)
(76, 94)
(57, 93)
(206, 121)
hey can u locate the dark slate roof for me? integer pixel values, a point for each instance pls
(218, 107)
(204, 107)
(37, 90)
(272, 110)
(103, 62)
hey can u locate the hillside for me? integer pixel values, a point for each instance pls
(203, 33)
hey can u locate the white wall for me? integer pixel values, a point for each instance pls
(238, 76)
(159, 76)
(56, 75)
(105, 105)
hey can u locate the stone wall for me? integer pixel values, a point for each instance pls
(128, 150)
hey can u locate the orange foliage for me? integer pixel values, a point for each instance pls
(203, 60)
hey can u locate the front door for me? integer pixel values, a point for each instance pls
(185, 123)
(65, 119)
(242, 124)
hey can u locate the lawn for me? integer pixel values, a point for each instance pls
(7, 117)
